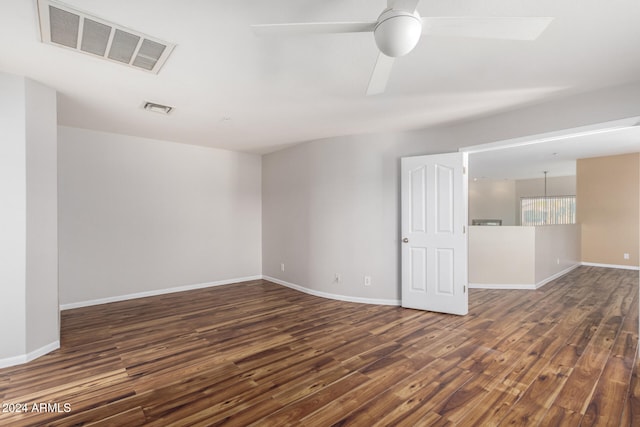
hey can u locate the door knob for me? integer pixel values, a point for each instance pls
(405, 240)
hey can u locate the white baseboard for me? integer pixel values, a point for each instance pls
(557, 275)
(333, 296)
(622, 267)
(501, 286)
(523, 286)
(338, 297)
(24, 358)
(155, 292)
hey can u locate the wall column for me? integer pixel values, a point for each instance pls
(29, 312)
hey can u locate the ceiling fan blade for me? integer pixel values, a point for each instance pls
(408, 5)
(380, 75)
(313, 28)
(508, 28)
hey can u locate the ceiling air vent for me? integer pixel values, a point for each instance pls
(63, 26)
(157, 108)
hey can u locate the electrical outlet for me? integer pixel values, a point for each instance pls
(626, 256)
(367, 280)
(282, 267)
(337, 278)
(558, 261)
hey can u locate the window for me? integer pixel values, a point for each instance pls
(548, 210)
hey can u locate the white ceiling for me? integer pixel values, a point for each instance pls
(233, 90)
(557, 157)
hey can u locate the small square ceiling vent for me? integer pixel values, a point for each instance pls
(157, 108)
(63, 26)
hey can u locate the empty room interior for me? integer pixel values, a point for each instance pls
(299, 212)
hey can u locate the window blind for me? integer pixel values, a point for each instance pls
(548, 210)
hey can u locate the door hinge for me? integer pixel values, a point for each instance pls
(464, 229)
(464, 289)
(464, 170)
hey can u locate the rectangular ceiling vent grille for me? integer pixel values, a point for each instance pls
(64, 26)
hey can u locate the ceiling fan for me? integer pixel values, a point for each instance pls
(399, 28)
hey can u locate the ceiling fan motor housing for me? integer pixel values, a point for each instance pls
(397, 32)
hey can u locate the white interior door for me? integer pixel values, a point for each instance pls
(434, 239)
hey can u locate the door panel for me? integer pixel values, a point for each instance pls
(418, 203)
(445, 273)
(434, 218)
(418, 269)
(444, 199)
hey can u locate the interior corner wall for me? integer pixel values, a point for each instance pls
(140, 216)
(608, 208)
(332, 207)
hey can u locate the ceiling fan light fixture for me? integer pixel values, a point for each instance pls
(399, 28)
(397, 32)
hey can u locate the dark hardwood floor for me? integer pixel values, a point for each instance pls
(260, 353)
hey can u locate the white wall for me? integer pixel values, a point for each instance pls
(320, 198)
(521, 257)
(502, 256)
(557, 250)
(28, 226)
(492, 199)
(565, 112)
(13, 216)
(144, 216)
(332, 207)
(42, 217)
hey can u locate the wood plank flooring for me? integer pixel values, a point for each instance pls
(260, 354)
